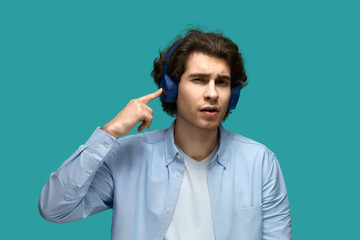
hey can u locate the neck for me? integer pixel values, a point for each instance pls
(196, 143)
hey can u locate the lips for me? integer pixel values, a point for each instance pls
(210, 111)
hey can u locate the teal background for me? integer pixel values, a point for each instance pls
(67, 67)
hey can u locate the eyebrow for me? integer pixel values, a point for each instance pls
(205, 75)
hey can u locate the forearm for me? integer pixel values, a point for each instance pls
(64, 196)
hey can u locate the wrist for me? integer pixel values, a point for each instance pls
(110, 131)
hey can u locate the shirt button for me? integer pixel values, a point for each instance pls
(169, 160)
(106, 145)
(223, 162)
(178, 174)
(178, 156)
(89, 170)
(167, 210)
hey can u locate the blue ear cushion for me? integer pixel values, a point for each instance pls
(170, 87)
(234, 97)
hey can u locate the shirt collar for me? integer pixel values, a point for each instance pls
(172, 153)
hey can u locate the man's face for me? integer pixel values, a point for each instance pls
(204, 92)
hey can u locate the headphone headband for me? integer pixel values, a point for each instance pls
(168, 57)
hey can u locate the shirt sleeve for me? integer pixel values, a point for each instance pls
(83, 184)
(276, 209)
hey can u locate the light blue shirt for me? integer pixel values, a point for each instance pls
(139, 177)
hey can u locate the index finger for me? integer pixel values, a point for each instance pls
(148, 98)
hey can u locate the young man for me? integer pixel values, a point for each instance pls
(194, 180)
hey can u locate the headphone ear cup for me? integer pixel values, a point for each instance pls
(234, 97)
(170, 87)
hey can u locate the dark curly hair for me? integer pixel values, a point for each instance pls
(211, 43)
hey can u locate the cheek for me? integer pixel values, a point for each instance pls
(228, 97)
(225, 93)
(187, 95)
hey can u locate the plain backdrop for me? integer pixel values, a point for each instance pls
(67, 67)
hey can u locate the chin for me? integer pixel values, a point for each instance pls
(210, 125)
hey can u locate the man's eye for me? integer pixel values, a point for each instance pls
(198, 80)
(223, 82)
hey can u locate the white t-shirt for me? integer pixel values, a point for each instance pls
(192, 216)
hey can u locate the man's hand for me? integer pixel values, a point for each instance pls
(135, 111)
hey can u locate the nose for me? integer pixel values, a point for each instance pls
(210, 92)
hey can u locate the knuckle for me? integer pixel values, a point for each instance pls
(139, 106)
(135, 101)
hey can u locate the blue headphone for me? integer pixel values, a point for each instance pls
(170, 87)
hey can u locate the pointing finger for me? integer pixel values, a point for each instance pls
(148, 98)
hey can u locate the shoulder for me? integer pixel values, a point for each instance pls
(243, 150)
(137, 149)
(151, 137)
(245, 143)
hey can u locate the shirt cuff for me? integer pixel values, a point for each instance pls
(101, 142)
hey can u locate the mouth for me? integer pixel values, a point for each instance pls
(210, 111)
